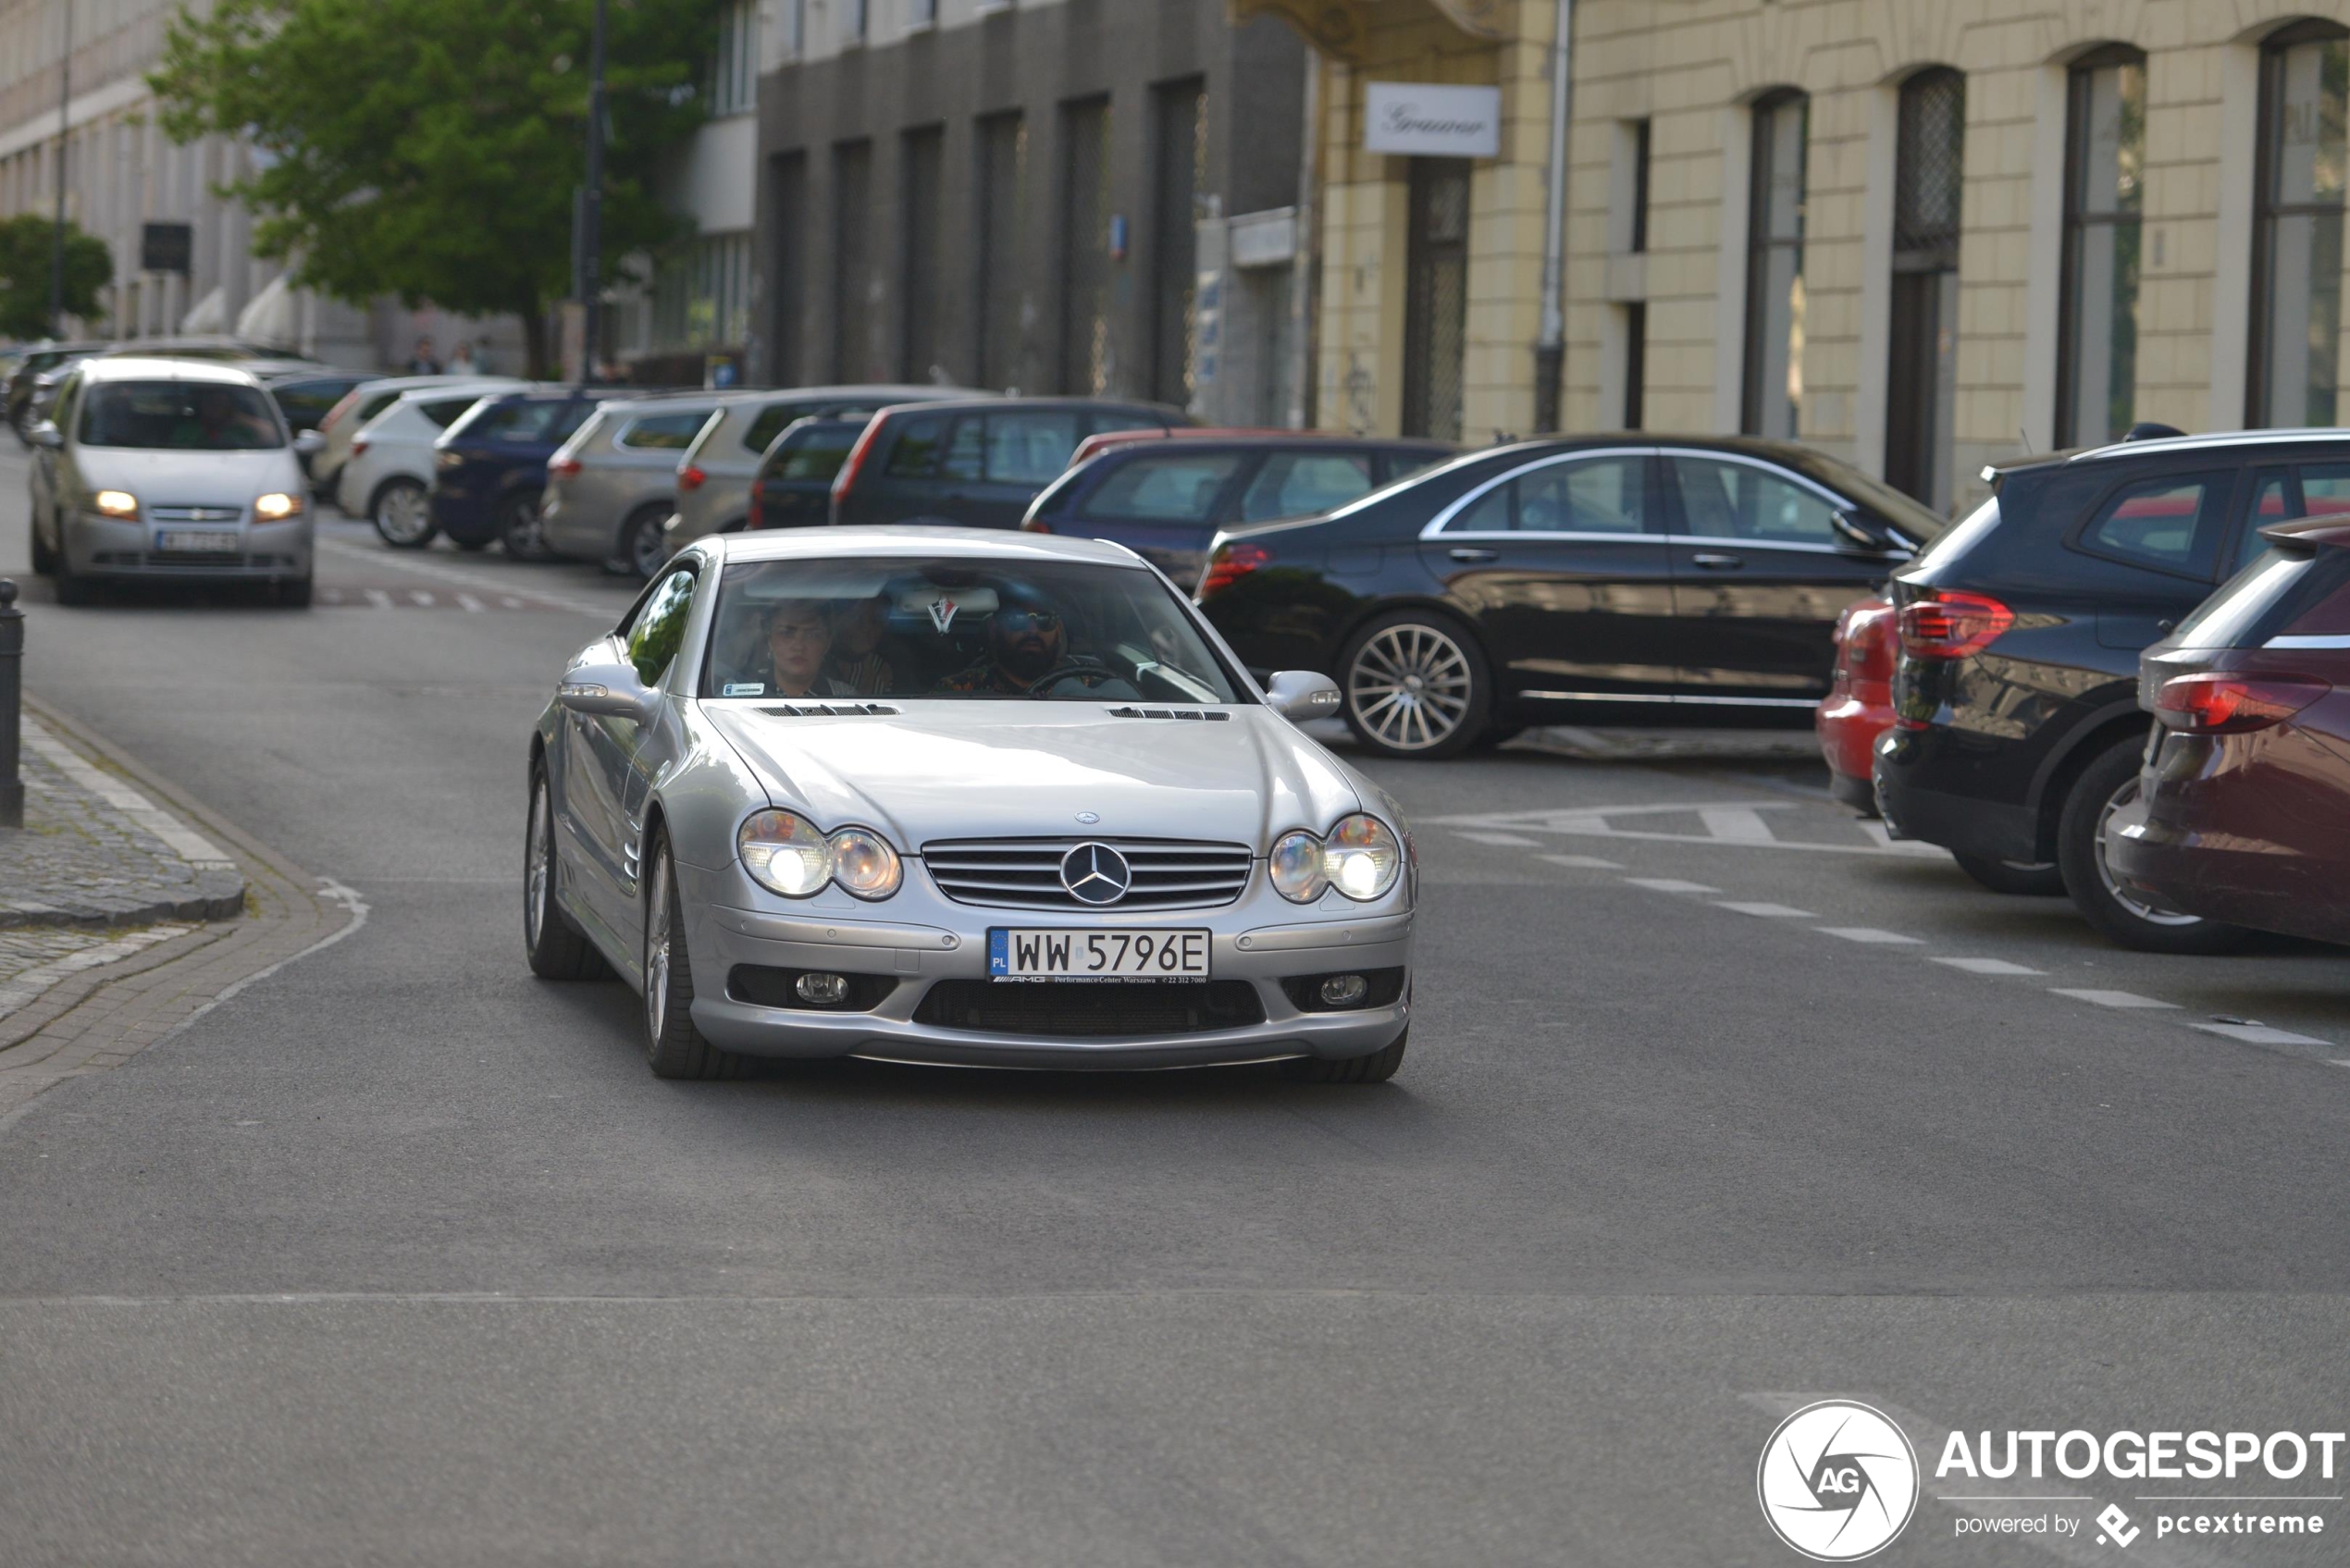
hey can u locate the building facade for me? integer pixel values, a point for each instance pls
(1922, 234)
(1058, 196)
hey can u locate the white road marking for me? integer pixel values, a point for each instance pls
(1872, 935)
(1768, 911)
(1583, 862)
(2258, 1034)
(1670, 884)
(185, 841)
(2109, 998)
(399, 562)
(508, 601)
(1506, 840)
(379, 599)
(1988, 966)
(1743, 825)
(467, 601)
(418, 596)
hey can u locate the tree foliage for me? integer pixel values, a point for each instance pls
(430, 148)
(26, 243)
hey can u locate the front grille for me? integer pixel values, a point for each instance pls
(1156, 1007)
(1025, 873)
(195, 513)
(177, 559)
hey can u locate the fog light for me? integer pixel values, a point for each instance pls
(1346, 991)
(824, 990)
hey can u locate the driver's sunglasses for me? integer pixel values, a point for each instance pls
(1029, 620)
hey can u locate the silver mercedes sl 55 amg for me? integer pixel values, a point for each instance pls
(941, 795)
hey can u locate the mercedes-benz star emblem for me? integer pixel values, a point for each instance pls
(1095, 873)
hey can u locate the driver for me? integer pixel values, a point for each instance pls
(220, 424)
(1026, 640)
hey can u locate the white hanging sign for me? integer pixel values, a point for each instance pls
(1431, 121)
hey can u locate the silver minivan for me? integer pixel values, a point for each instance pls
(714, 478)
(167, 468)
(614, 484)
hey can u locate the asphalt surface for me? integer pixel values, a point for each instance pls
(401, 1256)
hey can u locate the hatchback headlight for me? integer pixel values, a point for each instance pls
(276, 507)
(1361, 857)
(1296, 867)
(864, 864)
(115, 503)
(785, 854)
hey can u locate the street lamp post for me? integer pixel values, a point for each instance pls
(58, 228)
(591, 214)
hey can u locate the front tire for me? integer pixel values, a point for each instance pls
(556, 948)
(2127, 916)
(673, 1047)
(1376, 1068)
(71, 586)
(1414, 683)
(294, 593)
(45, 559)
(2032, 879)
(402, 512)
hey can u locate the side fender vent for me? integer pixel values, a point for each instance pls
(833, 710)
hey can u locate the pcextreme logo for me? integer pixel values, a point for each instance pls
(1838, 1481)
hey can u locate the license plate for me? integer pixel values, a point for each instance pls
(1062, 954)
(193, 542)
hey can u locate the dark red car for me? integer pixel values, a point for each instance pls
(2242, 810)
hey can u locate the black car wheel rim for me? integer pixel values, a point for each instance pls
(2138, 906)
(1409, 687)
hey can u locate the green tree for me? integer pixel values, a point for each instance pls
(26, 243)
(430, 148)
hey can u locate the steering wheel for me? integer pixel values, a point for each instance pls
(1088, 672)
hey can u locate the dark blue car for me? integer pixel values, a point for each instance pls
(491, 467)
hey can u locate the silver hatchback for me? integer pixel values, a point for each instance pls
(614, 484)
(167, 468)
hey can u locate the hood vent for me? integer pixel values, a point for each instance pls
(1211, 714)
(833, 710)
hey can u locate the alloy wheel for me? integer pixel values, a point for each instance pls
(1409, 687)
(2137, 904)
(403, 515)
(535, 866)
(657, 946)
(648, 548)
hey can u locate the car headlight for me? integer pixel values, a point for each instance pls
(276, 507)
(115, 503)
(864, 864)
(1296, 867)
(785, 854)
(1361, 858)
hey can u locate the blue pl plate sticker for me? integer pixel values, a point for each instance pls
(743, 688)
(999, 961)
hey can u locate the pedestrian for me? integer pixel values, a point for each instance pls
(481, 358)
(461, 362)
(421, 362)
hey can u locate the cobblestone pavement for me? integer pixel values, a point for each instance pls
(35, 958)
(95, 851)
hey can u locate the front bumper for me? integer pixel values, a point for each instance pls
(1249, 943)
(108, 547)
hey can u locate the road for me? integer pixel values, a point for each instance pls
(1715, 1105)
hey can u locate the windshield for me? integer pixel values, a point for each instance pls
(957, 628)
(1922, 523)
(178, 416)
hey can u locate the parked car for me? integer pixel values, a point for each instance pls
(37, 359)
(1165, 498)
(361, 404)
(489, 466)
(975, 462)
(794, 485)
(1606, 579)
(611, 487)
(388, 477)
(714, 477)
(167, 469)
(212, 346)
(2242, 810)
(306, 396)
(2018, 732)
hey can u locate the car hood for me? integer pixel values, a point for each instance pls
(952, 770)
(189, 478)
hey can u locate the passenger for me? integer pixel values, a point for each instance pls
(799, 634)
(856, 660)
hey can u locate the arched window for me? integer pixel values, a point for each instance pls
(1773, 404)
(2105, 143)
(1922, 377)
(2297, 231)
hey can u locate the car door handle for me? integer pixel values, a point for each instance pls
(1713, 562)
(1462, 552)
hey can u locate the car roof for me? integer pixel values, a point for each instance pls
(913, 540)
(991, 403)
(319, 373)
(909, 392)
(141, 367)
(2299, 436)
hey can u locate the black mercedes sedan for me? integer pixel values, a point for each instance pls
(1608, 579)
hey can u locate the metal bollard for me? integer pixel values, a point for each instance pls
(11, 704)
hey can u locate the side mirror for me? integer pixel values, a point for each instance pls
(1856, 534)
(45, 434)
(610, 691)
(309, 443)
(1301, 694)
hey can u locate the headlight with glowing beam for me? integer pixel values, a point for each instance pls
(784, 853)
(115, 503)
(1361, 857)
(276, 507)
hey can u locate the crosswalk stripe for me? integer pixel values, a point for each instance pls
(379, 599)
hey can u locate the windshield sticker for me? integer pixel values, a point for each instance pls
(743, 688)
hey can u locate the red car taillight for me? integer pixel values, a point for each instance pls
(358, 444)
(1945, 623)
(690, 478)
(2218, 703)
(846, 480)
(1229, 565)
(563, 468)
(1034, 525)
(1868, 641)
